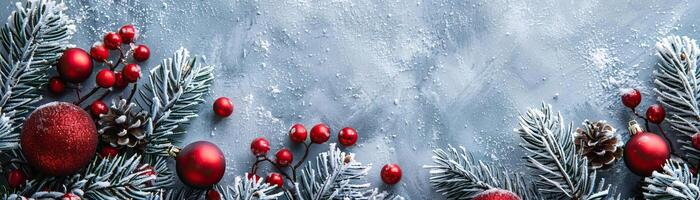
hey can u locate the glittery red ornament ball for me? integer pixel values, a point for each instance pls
(496, 194)
(347, 136)
(645, 153)
(75, 65)
(200, 164)
(298, 133)
(223, 107)
(391, 174)
(320, 133)
(58, 139)
(275, 179)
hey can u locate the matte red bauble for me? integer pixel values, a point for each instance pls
(142, 53)
(297, 133)
(200, 164)
(75, 65)
(58, 139)
(496, 194)
(391, 174)
(645, 152)
(223, 107)
(320, 133)
(347, 136)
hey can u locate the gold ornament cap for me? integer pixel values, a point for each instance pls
(634, 127)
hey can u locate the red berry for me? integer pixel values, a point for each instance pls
(119, 82)
(284, 157)
(696, 140)
(347, 136)
(212, 194)
(142, 53)
(656, 114)
(112, 40)
(631, 98)
(253, 177)
(99, 52)
(98, 107)
(127, 33)
(149, 171)
(275, 179)
(223, 107)
(70, 196)
(320, 133)
(131, 73)
(15, 178)
(56, 85)
(109, 152)
(105, 78)
(391, 174)
(260, 146)
(297, 133)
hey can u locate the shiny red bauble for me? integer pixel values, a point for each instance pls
(496, 194)
(645, 153)
(212, 194)
(112, 40)
(200, 164)
(284, 157)
(75, 65)
(275, 179)
(260, 146)
(320, 133)
(109, 152)
(127, 33)
(98, 107)
(105, 78)
(347, 136)
(297, 133)
(391, 174)
(58, 139)
(631, 98)
(656, 114)
(131, 73)
(142, 53)
(223, 107)
(119, 82)
(695, 140)
(56, 85)
(99, 52)
(16, 178)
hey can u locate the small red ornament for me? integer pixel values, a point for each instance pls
(631, 98)
(347, 136)
(391, 174)
(496, 194)
(127, 33)
(16, 178)
(696, 140)
(131, 73)
(284, 157)
(70, 196)
(56, 85)
(98, 107)
(75, 65)
(105, 78)
(656, 114)
(200, 164)
(109, 152)
(112, 40)
(142, 53)
(275, 179)
(119, 82)
(260, 146)
(297, 133)
(320, 133)
(99, 52)
(645, 152)
(58, 139)
(212, 194)
(223, 107)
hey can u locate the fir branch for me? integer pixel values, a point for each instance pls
(456, 175)
(675, 182)
(30, 43)
(563, 172)
(172, 96)
(244, 188)
(678, 87)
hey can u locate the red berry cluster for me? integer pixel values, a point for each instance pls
(656, 114)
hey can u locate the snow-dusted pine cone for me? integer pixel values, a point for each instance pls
(599, 143)
(121, 126)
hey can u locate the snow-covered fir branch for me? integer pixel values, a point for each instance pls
(675, 182)
(678, 87)
(245, 188)
(31, 41)
(172, 96)
(551, 152)
(456, 175)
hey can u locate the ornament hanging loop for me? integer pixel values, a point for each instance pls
(634, 127)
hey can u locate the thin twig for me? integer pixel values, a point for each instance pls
(81, 99)
(303, 158)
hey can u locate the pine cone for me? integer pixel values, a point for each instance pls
(122, 127)
(599, 143)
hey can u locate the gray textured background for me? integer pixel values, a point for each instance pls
(410, 76)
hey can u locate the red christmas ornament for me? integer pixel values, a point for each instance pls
(105, 78)
(656, 114)
(212, 194)
(142, 53)
(127, 33)
(284, 157)
(275, 179)
(58, 139)
(200, 164)
(119, 82)
(112, 40)
(297, 133)
(320, 133)
(223, 107)
(260, 146)
(75, 65)
(645, 152)
(631, 98)
(70, 196)
(496, 194)
(347, 136)
(56, 85)
(99, 52)
(98, 107)
(131, 73)
(696, 140)
(16, 178)
(391, 174)
(109, 152)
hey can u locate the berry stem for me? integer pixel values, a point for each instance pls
(279, 169)
(81, 99)
(646, 122)
(670, 144)
(306, 153)
(133, 91)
